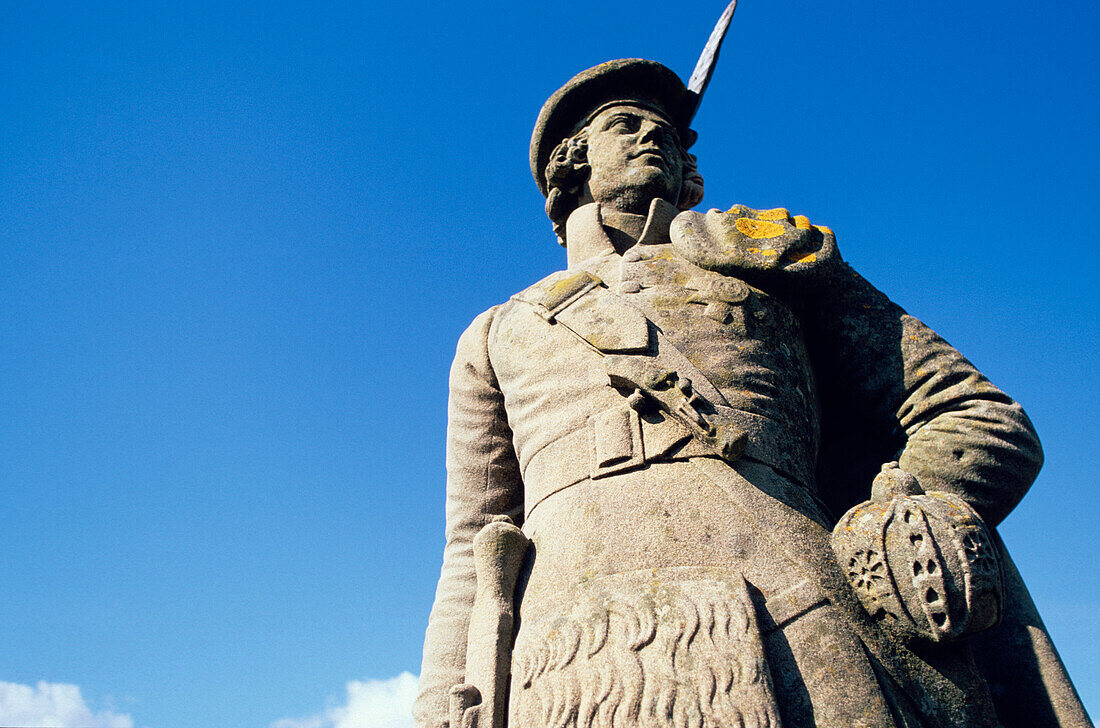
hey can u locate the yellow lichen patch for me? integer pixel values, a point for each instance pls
(570, 284)
(739, 210)
(562, 287)
(802, 222)
(779, 213)
(825, 229)
(803, 257)
(759, 229)
(766, 252)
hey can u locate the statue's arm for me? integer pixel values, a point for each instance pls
(483, 480)
(956, 431)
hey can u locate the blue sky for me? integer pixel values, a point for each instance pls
(240, 240)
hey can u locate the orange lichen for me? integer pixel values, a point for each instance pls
(759, 229)
(767, 252)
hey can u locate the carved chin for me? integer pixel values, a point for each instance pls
(652, 182)
(635, 184)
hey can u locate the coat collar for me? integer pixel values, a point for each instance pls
(586, 238)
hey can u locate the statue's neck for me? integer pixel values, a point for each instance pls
(624, 229)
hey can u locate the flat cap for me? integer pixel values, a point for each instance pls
(629, 80)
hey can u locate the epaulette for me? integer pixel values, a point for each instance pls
(558, 291)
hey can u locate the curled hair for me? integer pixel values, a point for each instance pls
(568, 169)
(691, 185)
(565, 176)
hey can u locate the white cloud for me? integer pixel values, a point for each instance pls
(57, 705)
(370, 704)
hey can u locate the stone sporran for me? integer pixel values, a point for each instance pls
(923, 563)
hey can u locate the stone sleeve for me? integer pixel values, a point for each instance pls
(889, 373)
(483, 480)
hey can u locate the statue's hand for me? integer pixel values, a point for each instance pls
(893, 481)
(465, 706)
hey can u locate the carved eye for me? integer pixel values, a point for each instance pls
(623, 122)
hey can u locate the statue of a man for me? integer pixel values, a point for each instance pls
(679, 422)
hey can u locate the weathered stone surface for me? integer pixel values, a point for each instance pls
(687, 427)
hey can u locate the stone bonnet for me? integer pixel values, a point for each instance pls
(630, 80)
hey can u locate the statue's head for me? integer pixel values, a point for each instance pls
(614, 134)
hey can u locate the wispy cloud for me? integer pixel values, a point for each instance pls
(57, 705)
(369, 704)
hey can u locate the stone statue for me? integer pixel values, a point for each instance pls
(708, 476)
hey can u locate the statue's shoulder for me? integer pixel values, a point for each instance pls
(756, 224)
(474, 339)
(746, 239)
(546, 297)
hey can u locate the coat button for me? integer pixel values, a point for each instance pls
(730, 291)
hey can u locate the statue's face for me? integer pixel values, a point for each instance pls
(634, 156)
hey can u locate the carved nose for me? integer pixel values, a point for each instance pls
(650, 131)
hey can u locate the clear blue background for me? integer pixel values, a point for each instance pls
(238, 242)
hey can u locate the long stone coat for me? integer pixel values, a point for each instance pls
(660, 591)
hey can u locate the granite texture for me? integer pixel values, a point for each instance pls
(708, 475)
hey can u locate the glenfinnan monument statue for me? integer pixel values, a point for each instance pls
(707, 476)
